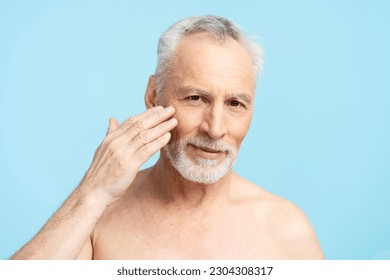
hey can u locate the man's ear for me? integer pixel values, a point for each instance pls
(151, 93)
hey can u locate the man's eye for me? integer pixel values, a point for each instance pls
(235, 103)
(194, 97)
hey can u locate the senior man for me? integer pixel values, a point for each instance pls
(190, 204)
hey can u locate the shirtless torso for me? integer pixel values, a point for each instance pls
(247, 223)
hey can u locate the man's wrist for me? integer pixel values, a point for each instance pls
(93, 197)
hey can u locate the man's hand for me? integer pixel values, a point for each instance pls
(124, 149)
(116, 162)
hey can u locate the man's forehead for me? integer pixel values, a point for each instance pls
(203, 66)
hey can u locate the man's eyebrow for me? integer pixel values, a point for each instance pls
(195, 90)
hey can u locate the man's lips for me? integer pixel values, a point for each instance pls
(207, 152)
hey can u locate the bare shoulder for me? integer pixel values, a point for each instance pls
(287, 223)
(292, 228)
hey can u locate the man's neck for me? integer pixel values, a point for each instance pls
(169, 186)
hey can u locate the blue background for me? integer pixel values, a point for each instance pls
(320, 134)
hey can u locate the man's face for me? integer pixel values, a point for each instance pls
(212, 88)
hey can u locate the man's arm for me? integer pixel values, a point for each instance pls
(115, 165)
(65, 234)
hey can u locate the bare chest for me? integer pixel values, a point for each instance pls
(169, 237)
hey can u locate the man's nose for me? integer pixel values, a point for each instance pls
(214, 122)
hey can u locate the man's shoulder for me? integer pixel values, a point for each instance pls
(286, 222)
(258, 197)
(246, 191)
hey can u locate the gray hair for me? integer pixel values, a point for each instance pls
(218, 27)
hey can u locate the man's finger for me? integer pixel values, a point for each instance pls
(149, 122)
(130, 121)
(112, 125)
(150, 135)
(148, 150)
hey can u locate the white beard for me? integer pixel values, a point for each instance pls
(200, 170)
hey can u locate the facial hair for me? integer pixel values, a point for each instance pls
(200, 170)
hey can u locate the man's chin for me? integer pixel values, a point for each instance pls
(206, 172)
(202, 181)
(203, 167)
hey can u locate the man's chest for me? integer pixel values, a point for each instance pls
(224, 238)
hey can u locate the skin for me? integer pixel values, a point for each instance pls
(118, 212)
